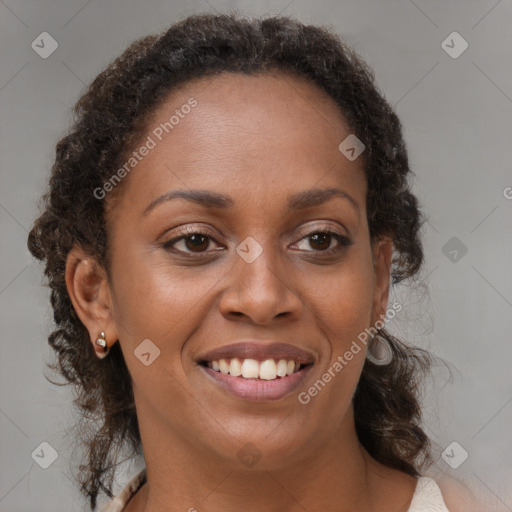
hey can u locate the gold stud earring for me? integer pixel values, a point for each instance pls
(102, 342)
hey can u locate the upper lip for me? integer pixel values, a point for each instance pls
(258, 350)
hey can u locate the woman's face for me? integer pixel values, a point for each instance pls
(256, 155)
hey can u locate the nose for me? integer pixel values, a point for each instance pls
(260, 291)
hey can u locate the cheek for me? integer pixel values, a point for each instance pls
(153, 301)
(343, 310)
(156, 301)
(343, 303)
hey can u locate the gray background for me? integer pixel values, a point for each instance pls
(457, 116)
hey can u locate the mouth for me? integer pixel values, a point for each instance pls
(257, 372)
(269, 369)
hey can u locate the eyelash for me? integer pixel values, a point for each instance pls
(343, 241)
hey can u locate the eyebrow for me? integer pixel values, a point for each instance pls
(208, 199)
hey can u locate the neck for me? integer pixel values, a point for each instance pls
(335, 475)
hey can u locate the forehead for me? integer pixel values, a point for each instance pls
(235, 109)
(262, 136)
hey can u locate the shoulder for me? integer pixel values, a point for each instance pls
(427, 497)
(457, 496)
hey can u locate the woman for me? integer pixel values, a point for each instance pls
(221, 229)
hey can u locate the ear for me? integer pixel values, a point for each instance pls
(382, 253)
(88, 288)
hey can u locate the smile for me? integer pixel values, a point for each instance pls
(257, 370)
(257, 388)
(269, 369)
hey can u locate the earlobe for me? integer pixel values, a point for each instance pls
(383, 251)
(88, 289)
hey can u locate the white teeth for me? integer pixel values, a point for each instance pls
(282, 368)
(224, 366)
(252, 369)
(235, 367)
(268, 370)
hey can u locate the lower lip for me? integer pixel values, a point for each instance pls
(258, 389)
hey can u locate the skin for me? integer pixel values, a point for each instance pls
(257, 139)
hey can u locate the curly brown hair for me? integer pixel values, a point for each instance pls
(113, 113)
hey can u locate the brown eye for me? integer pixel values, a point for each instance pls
(194, 242)
(320, 241)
